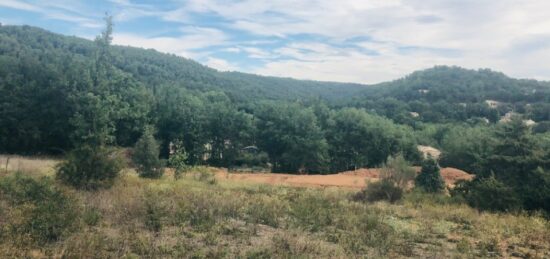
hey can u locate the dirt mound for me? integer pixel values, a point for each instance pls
(452, 175)
(351, 179)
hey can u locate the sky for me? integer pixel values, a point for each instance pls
(362, 41)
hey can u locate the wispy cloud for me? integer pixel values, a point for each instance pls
(220, 64)
(346, 40)
(14, 4)
(54, 10)
(192, 39)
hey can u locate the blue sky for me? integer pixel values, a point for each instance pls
(363, 41)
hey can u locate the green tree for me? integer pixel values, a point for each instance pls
(467, 148)
(520, 162)
(228, 129)
(488, 194)
(290, 135)
(90, 167)
(181, 115)
(178, 159)
(358, 139)
(146, 155)
(430, 179)
(91, 164)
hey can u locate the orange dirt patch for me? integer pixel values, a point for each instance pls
(350, 179)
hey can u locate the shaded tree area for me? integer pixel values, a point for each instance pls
(517, 169)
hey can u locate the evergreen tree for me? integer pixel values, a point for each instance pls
(92, 164)
(146, 156)
(522, 164)
(430, 179)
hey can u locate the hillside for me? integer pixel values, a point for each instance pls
(440, 94)
(445, 94)
(23, 44)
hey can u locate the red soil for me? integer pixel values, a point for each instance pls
(351, 179)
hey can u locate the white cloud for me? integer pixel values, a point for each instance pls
(14, 4)
(257, 53)
(363, 41)
(480, 33)
(54, 10)
(189, 45)
(220, 64)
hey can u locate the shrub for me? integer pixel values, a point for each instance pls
(394, 179)
(381, 190)
(311, 212)
(155, 212)
(398, 171)
(44, 212)
(488, 194)
(146, 156)
(430, 179)
(198, 210)
(91, 216)
(89, 167)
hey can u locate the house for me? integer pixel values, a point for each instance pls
(428, 151)
(492, 103)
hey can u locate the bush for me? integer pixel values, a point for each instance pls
(312, 212)
(394, 178)
(488, 194)
(155, 212)
(89, 167)
(430, 179)
(146, 156)
(398, 171)
(381, 190)
(39, 208)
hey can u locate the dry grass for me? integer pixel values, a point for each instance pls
(194, 218)
(32, 165)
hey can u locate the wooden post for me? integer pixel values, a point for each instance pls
(7, 162)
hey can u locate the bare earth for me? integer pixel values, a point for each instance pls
(351, 179)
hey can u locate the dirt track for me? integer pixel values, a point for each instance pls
(351, 179)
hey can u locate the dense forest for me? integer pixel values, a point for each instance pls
(64, 95)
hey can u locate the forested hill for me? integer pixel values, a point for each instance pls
(48, 83)
(25, 47)
(34, 48)
(447, 94)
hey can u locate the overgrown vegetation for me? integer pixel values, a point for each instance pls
(35, 211)
(187, 218)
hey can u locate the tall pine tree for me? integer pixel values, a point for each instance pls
(91, 164)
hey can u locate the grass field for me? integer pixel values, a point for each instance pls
(201, 216)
